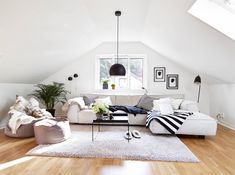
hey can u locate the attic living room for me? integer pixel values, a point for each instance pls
(100, 87)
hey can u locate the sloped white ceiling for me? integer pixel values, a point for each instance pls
(172, 31)
(37, 38)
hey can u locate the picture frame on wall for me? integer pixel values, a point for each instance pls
(172, 81)
(159, 74)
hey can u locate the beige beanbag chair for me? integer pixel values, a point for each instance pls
(49, 131)
(25, 130)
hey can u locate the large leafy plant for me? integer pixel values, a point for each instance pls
(50, 94)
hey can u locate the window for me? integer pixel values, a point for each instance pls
(219, 14)
(135, 71)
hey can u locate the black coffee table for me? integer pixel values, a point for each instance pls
(115, 121)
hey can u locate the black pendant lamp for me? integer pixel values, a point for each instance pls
(117, 69)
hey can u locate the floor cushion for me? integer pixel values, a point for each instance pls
(24, 131)
(49, 131)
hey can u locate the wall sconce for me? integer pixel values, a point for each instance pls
(70, 78)
(145, 90)
(75, 75)
(73, 84)
(198, 81)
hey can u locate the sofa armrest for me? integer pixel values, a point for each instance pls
(73, 113)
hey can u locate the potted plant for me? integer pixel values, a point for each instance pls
(50, 95)
(105, 83)
(113, 86)
(99, 109)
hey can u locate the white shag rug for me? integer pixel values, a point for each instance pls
(110, 143)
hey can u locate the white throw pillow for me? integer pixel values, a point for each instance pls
(157, 102)
(189, 106)
(105, 100)
(176, 103)
(166, 108)
(156, 105)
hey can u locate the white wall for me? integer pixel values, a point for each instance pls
(8, 94)
(222, 101)
(85, 67)
(172, 31)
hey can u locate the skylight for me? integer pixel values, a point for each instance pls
(219, 14)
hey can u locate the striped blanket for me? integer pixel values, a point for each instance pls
(171, 122)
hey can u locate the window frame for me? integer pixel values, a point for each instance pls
(113, 56)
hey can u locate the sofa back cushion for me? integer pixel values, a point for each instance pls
(175, 103)
(188, 105)
(165, 106)
(89, 99)
(146, 102)
(105, 100)
(132, 99)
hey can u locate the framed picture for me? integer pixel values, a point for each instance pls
(172, 81)
(159, 74)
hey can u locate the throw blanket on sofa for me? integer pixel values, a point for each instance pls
(171, 122)
(128, 109)
(77, 101)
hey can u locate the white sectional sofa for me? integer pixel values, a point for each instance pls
(197, 124)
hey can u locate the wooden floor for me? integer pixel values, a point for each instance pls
(216, 154)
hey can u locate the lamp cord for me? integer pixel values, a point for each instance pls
(199, 91)
(117, 36)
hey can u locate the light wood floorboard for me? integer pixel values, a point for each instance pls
(216, 154)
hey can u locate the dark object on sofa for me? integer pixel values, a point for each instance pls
(128, 109)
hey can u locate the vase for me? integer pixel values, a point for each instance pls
(52, 111)
(105, 86)
(99, 116)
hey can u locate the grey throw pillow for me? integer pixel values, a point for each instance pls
(89, 100)
(146, 102)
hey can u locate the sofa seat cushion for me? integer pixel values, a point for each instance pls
(138, 119)
(196, 124)
(86, 116)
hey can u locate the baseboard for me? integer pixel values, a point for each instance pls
(2, 126)
(107, 124)
(226, 125)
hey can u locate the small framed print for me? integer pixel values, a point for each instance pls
(172, 81)
(159, 74)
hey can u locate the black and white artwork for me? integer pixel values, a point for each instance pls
(172, 81)
(159, 74)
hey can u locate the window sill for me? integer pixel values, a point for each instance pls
(120, 91)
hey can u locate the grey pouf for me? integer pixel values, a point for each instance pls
(49, 131)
